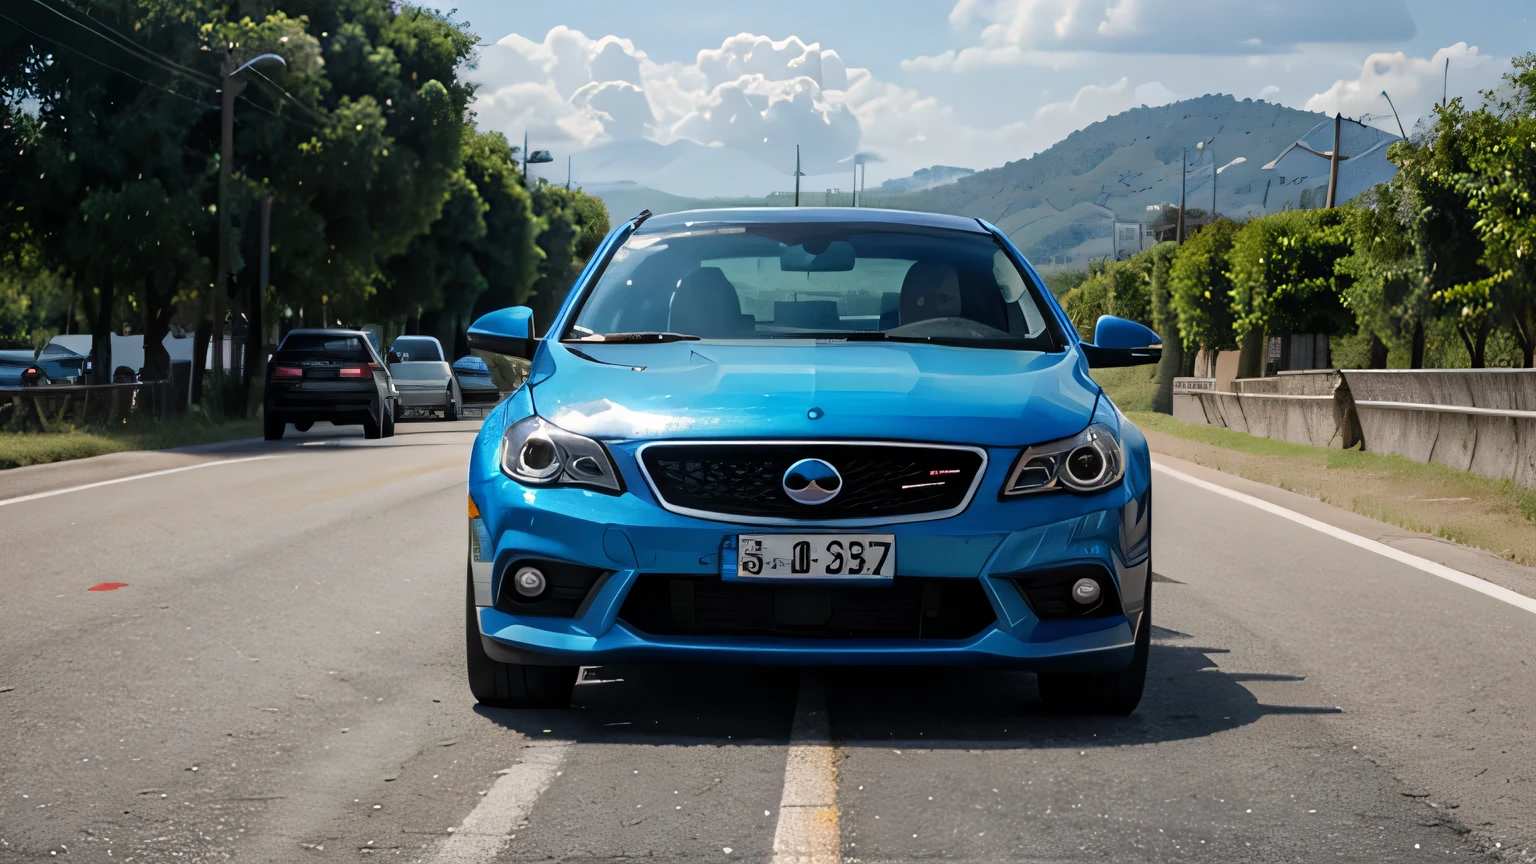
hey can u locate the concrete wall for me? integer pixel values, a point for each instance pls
(1478, 420)
(1497, 441)
(1300, 407)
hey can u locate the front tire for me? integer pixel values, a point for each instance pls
(272, 427)
(451, 410)
(371, 427)
(389, 425)
(511, 685)
(1116, 693)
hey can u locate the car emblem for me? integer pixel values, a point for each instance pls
(812, 481)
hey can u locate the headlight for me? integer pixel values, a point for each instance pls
(539, 453)
(1090, 461)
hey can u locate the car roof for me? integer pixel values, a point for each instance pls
(808, 215)
(428, 338)
(325, 331)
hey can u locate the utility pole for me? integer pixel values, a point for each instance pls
(1215, 213)
(798, 175)
(226, 164)
(1183, 189)
(221, 272)
(1333, 162)
(567, 173)
(525, 161)
(854, 189)
(1445, 82)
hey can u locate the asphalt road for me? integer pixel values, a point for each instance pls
(281, 679)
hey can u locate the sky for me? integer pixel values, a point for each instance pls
(969, 83)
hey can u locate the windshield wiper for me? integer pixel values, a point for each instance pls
(1028, 343)
(639, 336)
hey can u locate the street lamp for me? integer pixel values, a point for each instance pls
(1400, 132)
(226, 165)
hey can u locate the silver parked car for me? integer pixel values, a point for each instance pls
(423, 377)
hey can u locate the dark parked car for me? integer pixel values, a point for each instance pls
(332, 375)
(474, 377)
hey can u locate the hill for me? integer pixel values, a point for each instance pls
(1060, 205)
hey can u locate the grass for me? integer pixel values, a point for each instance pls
(36, 448)
(1129, 387)
(1429, 498)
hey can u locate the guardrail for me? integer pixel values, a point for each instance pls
(50, 407)
(1478, 420)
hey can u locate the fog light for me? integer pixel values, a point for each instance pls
(530, 582)
(1084, 591)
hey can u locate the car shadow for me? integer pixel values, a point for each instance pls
(1187, 696)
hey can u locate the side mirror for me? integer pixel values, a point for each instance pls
(392, 358)
(1118, 342)
(504, 340)
(508, 332)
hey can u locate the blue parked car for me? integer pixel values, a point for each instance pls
(814, 436)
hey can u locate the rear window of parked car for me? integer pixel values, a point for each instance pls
(412, 350)
(327, 344)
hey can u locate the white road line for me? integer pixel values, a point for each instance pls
(490, 826)
(49, 494)
(1434, 568)
(808, 820)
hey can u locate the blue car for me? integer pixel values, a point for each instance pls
(815, 436)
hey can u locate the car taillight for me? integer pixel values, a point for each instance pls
(287, 372)
(357, 372)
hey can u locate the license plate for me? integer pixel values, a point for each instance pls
(815, 556)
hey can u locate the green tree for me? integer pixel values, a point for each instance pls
(1386, 289)
(1502, 160)
(571, 226)
(1165, 321)
(1284, 280)
(1445, 238)
(1200, 291)
(507, 256)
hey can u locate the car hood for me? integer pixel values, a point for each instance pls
(813, 390)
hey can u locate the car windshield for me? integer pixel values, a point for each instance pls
(336, 346)
(413, 349)
(787, 281)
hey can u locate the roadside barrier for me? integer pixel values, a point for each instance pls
(1477, 420)
(49, 407)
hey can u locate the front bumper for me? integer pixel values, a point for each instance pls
(631, 537)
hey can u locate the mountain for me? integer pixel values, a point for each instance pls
(924, 178)
(686, 169)
(1060, 205)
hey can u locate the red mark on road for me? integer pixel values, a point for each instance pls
(108, 586)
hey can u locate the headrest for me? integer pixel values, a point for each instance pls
(705, 304)
(930, 290)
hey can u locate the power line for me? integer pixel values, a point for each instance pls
(104, 63)
(125, 42)
(305, 108)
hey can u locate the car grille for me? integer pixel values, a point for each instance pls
(747, 480)
(908, 608)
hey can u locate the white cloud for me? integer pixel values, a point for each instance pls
(574, 92)
(1017, 31)
(1414, 83)
(914, 131)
